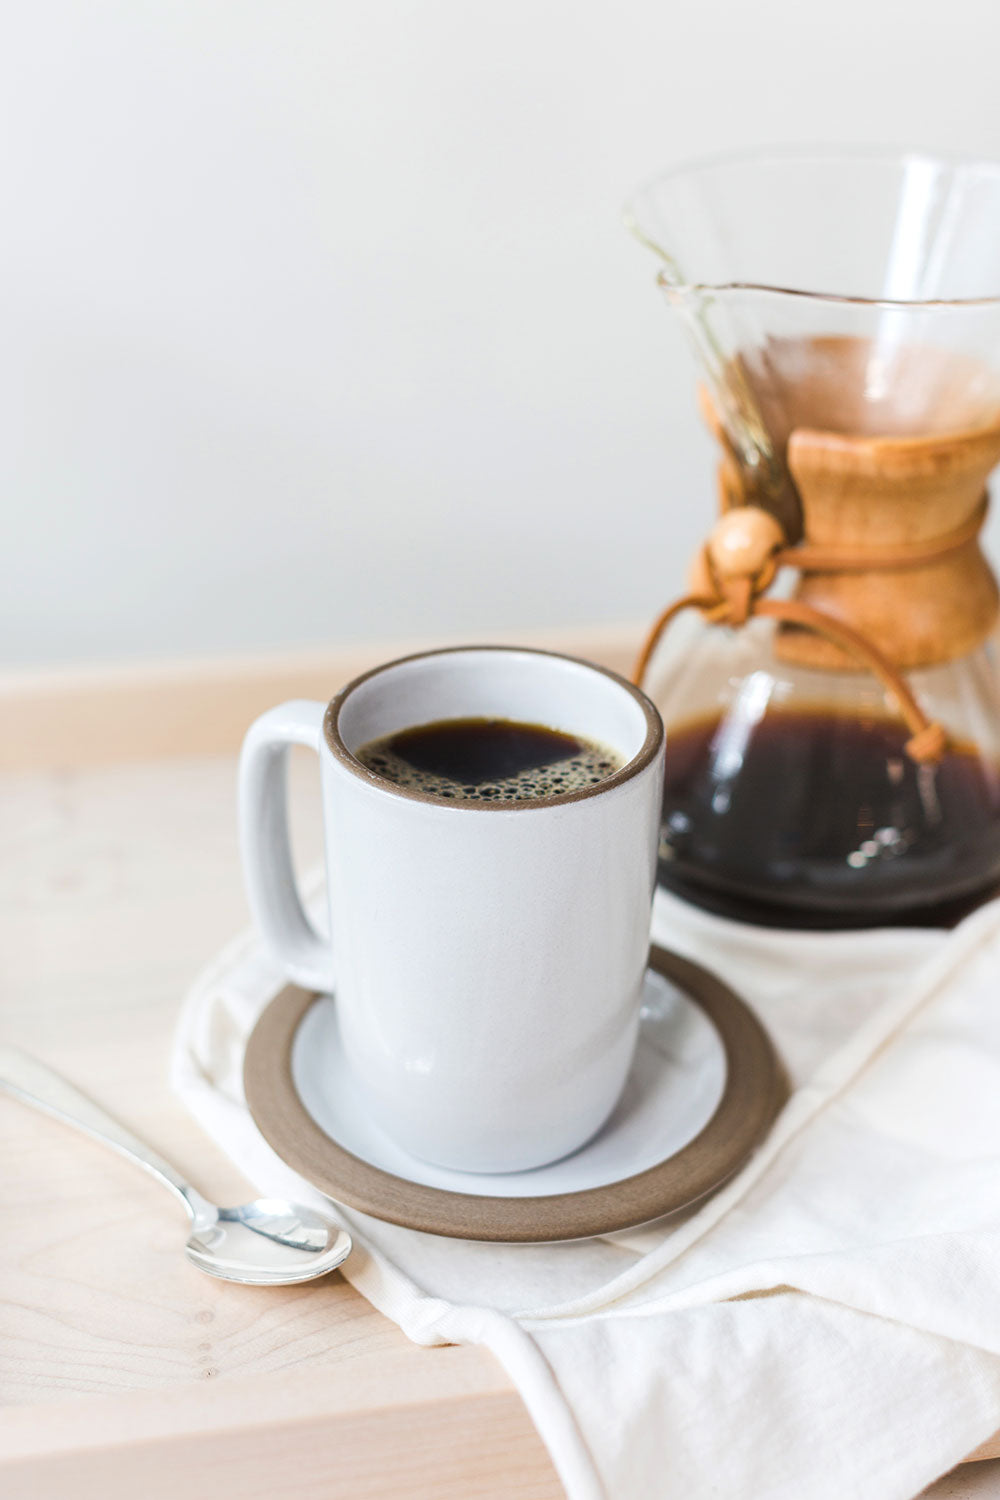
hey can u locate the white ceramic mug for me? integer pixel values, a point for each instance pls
(487, 957)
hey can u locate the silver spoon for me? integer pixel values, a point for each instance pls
(268, 1242)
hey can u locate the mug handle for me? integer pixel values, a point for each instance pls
(265, 846)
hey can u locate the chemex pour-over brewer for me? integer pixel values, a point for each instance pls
(833, 752)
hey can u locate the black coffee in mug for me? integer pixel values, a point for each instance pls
(489, 760)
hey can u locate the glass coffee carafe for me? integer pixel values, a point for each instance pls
(833, 705)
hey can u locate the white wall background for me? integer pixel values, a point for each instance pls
(317, 320)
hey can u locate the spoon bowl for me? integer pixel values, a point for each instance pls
(268, 1242)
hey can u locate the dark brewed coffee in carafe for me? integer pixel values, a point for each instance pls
(865, 829)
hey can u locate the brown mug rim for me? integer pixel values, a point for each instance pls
(638, 763)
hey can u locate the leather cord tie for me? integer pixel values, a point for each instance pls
(740, 561)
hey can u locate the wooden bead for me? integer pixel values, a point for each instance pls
(743, 542)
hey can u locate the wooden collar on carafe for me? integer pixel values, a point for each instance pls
(863, 573)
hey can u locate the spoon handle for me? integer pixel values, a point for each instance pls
(33, 1083)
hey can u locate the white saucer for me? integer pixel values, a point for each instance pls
(676, 1082)
(705, 1085)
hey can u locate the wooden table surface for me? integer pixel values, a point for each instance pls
(124, 1370)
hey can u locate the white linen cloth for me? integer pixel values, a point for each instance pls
(827, 1327)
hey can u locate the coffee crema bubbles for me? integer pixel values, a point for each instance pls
(489, 760)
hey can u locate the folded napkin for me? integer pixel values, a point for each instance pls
(826, 1326)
